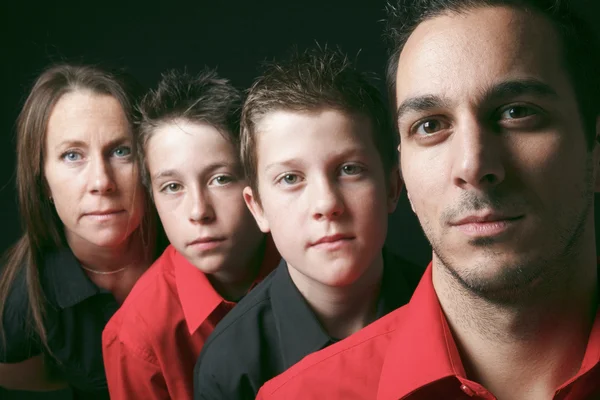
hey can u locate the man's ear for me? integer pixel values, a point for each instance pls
(395, 185)
(255, 208)
(596, 157)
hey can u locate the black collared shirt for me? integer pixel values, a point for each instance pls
(273, 328)
(76, 313)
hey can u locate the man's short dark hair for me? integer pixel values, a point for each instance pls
(318, 78)
(180, 96)
(581, 52)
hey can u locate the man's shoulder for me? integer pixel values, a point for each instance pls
(345, 359)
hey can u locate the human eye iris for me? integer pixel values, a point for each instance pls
(289, 179)
(516, 112)
(351, 169)
(122, 151)
(71, 156)
(171, 187)
(222, 179)
(430, 126)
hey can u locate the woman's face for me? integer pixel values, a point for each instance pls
(90, 170)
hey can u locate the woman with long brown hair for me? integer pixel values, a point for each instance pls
(89, 230)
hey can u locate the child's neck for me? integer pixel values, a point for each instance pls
(234, 286)
(343, 310)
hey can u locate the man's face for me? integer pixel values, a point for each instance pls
(493, 150)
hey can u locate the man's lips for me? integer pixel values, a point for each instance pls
(490, 224)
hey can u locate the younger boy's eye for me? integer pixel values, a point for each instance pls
(171, 188)
(351, 169)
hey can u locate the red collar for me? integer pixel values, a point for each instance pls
(197, 296)
(423, 350)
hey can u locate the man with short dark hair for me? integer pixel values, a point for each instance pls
(497, 111)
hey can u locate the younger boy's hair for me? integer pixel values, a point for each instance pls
(316, 79)
(183, 97)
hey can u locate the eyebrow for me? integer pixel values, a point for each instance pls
(80, 143)
(502, 90)
(170, 173)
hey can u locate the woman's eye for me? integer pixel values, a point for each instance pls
(430, 126)
(71, 156)
(351, 169)
(171, 188)
(122, 151)
(221, 180)
(516, 112)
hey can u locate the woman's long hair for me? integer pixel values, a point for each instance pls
(43, 230)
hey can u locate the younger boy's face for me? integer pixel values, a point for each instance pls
(197, 186)
(323, 193)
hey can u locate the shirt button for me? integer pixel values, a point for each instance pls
(467, 390)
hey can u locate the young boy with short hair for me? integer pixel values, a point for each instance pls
(189, 133)
(319, 153)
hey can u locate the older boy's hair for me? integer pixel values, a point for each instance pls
(312, 80)
(580, 48)
(180, 96)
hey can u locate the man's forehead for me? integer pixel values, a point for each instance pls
(477, 48)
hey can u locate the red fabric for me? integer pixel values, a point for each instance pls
(408, 354)
(151, 344)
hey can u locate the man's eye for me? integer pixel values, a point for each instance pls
(430, 126)
(516, 112)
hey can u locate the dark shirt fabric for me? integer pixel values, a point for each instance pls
(273, 328)
(76, 311)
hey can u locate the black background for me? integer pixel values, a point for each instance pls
(150, 37)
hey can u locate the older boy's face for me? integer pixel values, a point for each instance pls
(493, 151)
(323, 193)
(197, 186)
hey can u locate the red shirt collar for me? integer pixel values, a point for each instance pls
(423, 350)
(197, 296)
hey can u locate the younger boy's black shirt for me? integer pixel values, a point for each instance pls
(273, 328)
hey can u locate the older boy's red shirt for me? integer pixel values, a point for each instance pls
(408, 354)
(151, 344)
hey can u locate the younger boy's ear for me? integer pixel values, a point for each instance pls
(256, 210)
(395, 185)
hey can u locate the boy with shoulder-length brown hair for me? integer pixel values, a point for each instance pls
(320, 157)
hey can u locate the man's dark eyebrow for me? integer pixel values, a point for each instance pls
(420, 103)
(519, 88)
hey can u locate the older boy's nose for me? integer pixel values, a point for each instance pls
(477, 158)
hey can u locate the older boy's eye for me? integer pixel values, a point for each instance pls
(171, 188)
(351, 169)
(221, 180)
